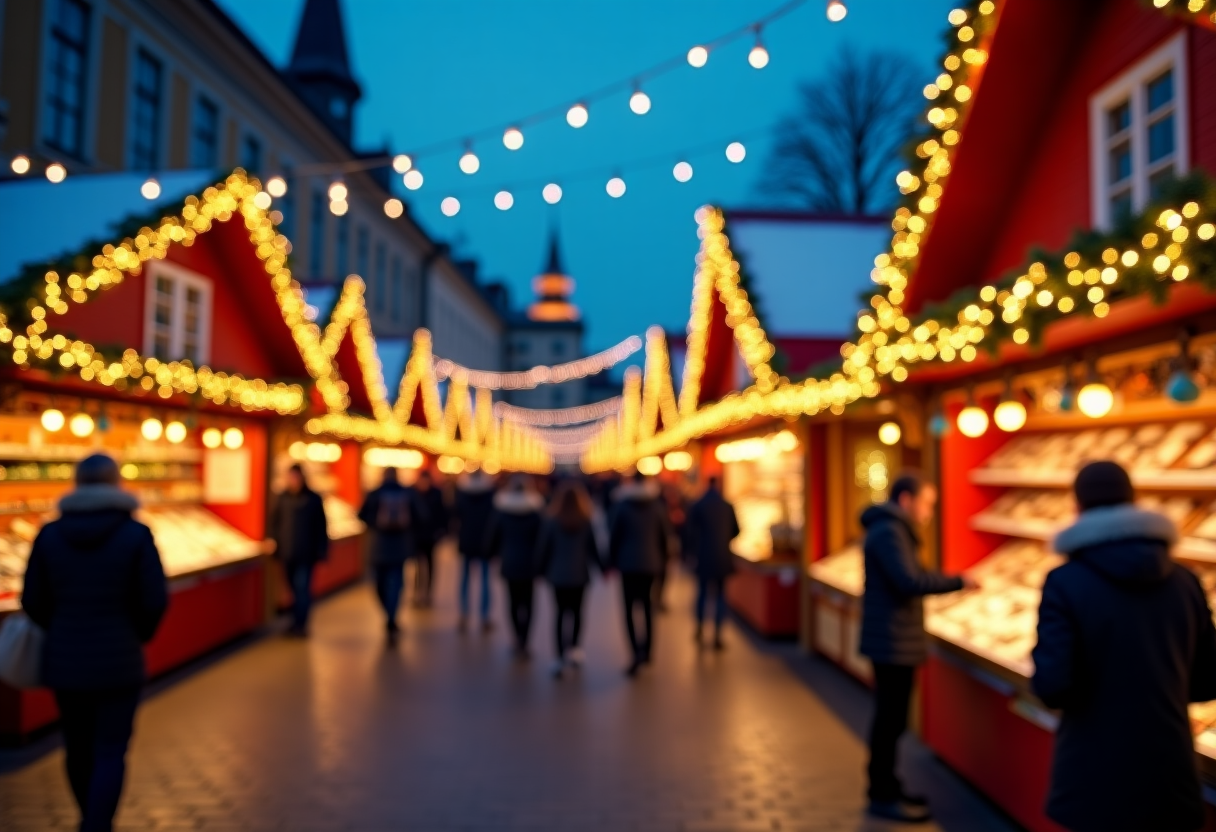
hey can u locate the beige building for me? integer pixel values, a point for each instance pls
(153, 85)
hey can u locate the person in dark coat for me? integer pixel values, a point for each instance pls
(95, 584)
(710, 527)
(638, 536)
(430, 528)
(513, 530)
(1125, 641)
(893, 631)
(389, 513)
(474, 503)
(297, 526)
(567, 550)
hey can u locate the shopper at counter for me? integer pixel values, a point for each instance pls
(1125, 642)
(708, 531)
(474, 502)
(567, 550)
(511, 537)
(390, 512)
(638, 536)
(95, 584)
(301, 536)
(893, 631)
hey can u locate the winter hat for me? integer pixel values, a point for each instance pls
(1103, 483)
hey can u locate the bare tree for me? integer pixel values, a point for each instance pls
(840, 151)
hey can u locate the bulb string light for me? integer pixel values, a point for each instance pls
(529, 379)
(560, 416)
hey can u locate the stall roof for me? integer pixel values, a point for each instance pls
(59, 220)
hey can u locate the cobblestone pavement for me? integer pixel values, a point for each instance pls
(447, 732)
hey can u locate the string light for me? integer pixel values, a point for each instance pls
(530, 379)
(1010, 415)
(560, 416)
(393, 208)
(233, 438)
(758, 57)
(615, 187)
(412, 179)
(736, 152)
(338, 191)
(394, 458)
(469, 163)
(56, 173)
(1095, 400)
(837, 10)
(151, 429)
(402, 163)
(81, 425)
(650, 465)
(677, 461)
(212, 438)
(889, 433)
(639, 102)
(150, 189)
(262, 200)
(450, 206)
(339, 207)
(20, 165)
(552, 193)
(577, 116)
(276, 186)
(175, 432)
(682, 171)
(513, 138)
(698, 56)
(972, 421)
(52, 420)
(503, 200)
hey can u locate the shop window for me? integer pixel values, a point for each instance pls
(205, 134)
(316, 235)
(178, 315)
(251, 154)
(871, 471)
(1138, 134)
(66, 77)
(146, 112)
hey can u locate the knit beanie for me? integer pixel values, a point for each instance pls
(1103, 483)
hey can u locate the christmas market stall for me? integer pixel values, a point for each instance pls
(153, 347)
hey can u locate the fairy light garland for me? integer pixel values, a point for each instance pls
(561, 416)
(529, 379)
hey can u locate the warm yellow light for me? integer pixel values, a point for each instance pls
(785, 441)
(758, 57)
(56, 173)
(393, 208)
(212, 438)
(412, 179)
(552, 193)
(393, 458)
(175, 432)
(972, 421)
(52, 419)
(233, 438)
(339, 207)
(639, 102)
(262, 200)
(81, 425)
(697, 56)
(677, 461)
(150, 189)
(276, 186)
(503, 200)
(151, 429)
(736, 152)
(129, 471)
(450, 206)
(469, 163)
(577, 116)
(837, 10)
(889, 433)
(682, 171)
(650, 465)
(1009, 416)
(450, 464)
(402, 163)
(615, 187)
(1095, 400)
(20, 165)
(513, 138)
(337, 191)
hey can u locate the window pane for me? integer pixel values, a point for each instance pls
(251, 154)
(65, 90)
(1160, 90)
(1161, 138)
(160, 344)
(1120, 162)
(145, 139)
(1121, 205)
(1158, 181)
(1118, 118)
(204, 152)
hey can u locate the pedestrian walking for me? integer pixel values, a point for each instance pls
(513, 531)
(638, 538)
(710, 526)
(95, 584)
(1125, 638)
(474, 502)
(567, 551)
(431, 526)
(389, 512)
(893, 631)
(675, 506)
(298, 528)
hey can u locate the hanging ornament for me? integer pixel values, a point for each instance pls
(1182, 386)
(939, 425)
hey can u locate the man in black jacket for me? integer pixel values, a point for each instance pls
(1125, 642)
(709, 529)
(637, 547)
(95, 584)
(390, 512)
(301, 535)
(893, 631)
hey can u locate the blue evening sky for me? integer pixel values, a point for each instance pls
(434, 70)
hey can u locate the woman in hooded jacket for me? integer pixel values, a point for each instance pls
(1125, 642)
(567, 551)
(512, 534)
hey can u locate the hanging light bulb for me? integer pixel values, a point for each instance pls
(469, 163)
(212, 438)
(276, 186)
(503, 200)
(20, 165)
(615, 187)
(175, 432)
(837, 10)
(736, 152)
(1010, 415)
(412, 179)
(402, 163)
(682, 171)
(889, 433)
(261, 199)
(513, 138)
(577, 115)
(233, 438)
(338, 191)
(1095, 400)
(450, 206)
(639, 102)
(939, 425)
(52, 420)
(552, 193)
(758, 57)
(972, 421)
(698, 56)
(56, 173)
(150, 189)
(393, 208)
(339, 207)
(151, 429)
(81, 425)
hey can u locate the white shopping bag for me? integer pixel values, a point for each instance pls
(21, 651)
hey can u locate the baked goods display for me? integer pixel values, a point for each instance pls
(843, 570)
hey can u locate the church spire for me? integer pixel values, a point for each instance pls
(320, 66)
(553, 288)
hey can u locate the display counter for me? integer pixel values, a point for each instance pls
(765, 595)
(837, 583)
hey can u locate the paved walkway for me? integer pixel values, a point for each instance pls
(446, 732)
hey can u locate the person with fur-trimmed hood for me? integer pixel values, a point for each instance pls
(512, 534)
(1126, 641)
(474, 503)
(567, 551)
(638, 537)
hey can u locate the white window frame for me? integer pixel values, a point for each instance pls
(1130, 86)
(182, 279)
